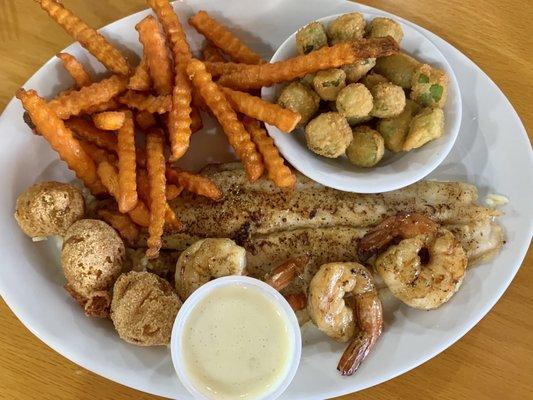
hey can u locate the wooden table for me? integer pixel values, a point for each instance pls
(493, 361)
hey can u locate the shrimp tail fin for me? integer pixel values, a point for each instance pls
(354, 354)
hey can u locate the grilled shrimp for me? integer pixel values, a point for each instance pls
(402, 225)
(205, 260)
(424, 271)
(327, 308)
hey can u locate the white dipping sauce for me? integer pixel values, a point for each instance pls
(236, 344)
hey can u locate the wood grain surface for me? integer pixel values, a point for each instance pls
(493, 361)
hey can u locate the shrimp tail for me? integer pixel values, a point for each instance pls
(287, 272)
(354, 354)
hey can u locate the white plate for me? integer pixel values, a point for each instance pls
(493, 152)
(394, 171)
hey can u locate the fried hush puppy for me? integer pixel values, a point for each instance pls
(49, 208)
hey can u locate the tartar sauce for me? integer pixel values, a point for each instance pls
(235, 344)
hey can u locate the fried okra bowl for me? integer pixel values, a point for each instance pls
(384, 94)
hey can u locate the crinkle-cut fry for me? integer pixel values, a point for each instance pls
(84, 129)
(126, 228)
(226, 41)
(145, 120)
(173, 191)
(180, 119)
(109, 177)
(211, 53)
(256, 76)
(217, 69)
(95, 43)
(109, 105)
(277, 171)
(127, 166)
(146, 102)
(109, 120)
(155, 164)
(61, 138)
(140, 80)
(75, 69)
(172, 26)
(255, 107)
(157, 54)
(78, 101)
(97, 154)
(194, 183)
(196, 120)
(238, 137)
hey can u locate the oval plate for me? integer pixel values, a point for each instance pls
(31, 279)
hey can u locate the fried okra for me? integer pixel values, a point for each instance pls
(311, 37)
(328, 83)
(358, 69)
(398, 68)
(381, 27)
(425, 126)
(328, 134)
(429, 86)
(299, 98)
(394, 130)
(354, 101)
(367, 147)
(372, 80)
(346, 27)
(389, 100)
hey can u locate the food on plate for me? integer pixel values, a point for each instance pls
(108, 105)
(346, 27)
(126, 228)
(75, 69)
(140, 80)
(194, 183)
(381, 27)
(255, 107)
(280, 277)
(426, 125)
(109, 120)
(205, 260)
(397, 68)
(221, 37)
(95, 43)
(48, 208)
(60, 138)
(127, 166)
(91, 257)
(145, 120)
(84, 130)
(143, 308)
(97, 154)
(236, 344)
(147, 102)
(157, 54)
(155, 164)
(328, 134)
(277, 171)
(328, 83)
(367, 147)
(327, 308)
(429, 86)
(435, 270)
(389, 100)
(77, 101)
(256, 76)
(358, 69)
(212, 54)
(299, 99)
(297, 301)
(307, 80)
(372, 80)
(353, 121)
(395, 129)
(311, 37)
(354, 101)
(238, 137)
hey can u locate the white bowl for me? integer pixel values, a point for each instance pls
(282, 307)
(395, 170)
